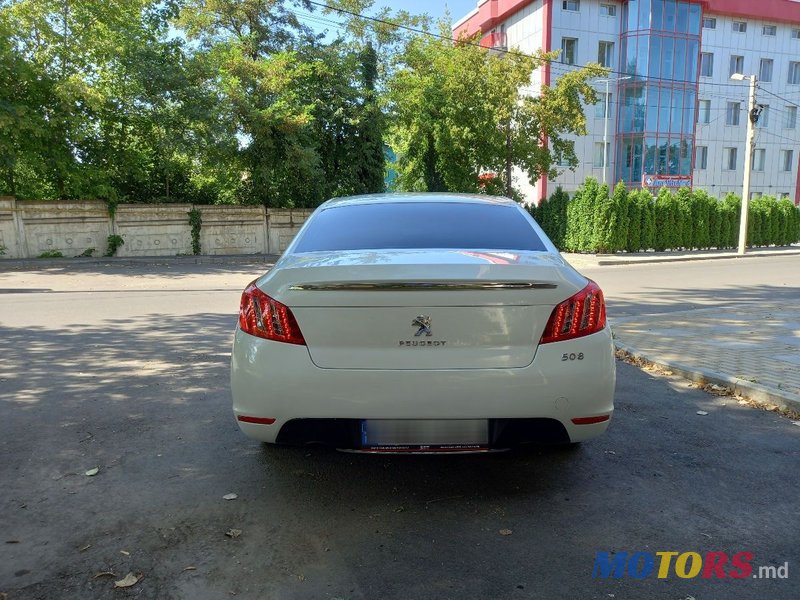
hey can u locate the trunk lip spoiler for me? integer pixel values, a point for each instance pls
(395, 286)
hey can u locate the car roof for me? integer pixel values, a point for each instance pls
(417, 197)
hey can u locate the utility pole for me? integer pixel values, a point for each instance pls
(753, 113)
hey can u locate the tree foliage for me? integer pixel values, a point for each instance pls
(457, 114)
(196, 101)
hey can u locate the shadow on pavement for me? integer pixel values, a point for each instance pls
(657, 300)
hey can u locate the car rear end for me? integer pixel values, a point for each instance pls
(412, 348)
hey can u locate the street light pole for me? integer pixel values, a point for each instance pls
(752, 117)
(605, 136)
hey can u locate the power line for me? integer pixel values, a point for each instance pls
(761, 89)
(506, 51)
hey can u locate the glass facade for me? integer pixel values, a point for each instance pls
(659, 54)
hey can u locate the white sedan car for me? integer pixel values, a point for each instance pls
(422, 323)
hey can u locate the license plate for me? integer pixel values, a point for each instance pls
(425, 434)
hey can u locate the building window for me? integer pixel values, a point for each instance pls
(608, 10)
(759, 154)
(791, 117)
(573, 5)
(605, 54)
(796, 34)
(739, 26)
(785, 195)
(729, 159)
(754, 195)
(732, 113)
(600, 107)
(704, 111)
(569, 51)
(763, 118)
(599, 156)
(707, 64)
(765, 70)
(769, 30)
(787, 158)
(737, 64)
(701, 158)
(709, 23)
(794, 73)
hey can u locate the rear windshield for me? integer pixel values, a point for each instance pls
(410, 225)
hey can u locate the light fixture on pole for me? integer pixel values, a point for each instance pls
(605, 125)
(753, 113)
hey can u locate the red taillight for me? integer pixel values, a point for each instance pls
(582, 314)
(591, 420)
(256, 420)
(263, 317)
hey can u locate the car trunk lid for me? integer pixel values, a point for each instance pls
(415, 310)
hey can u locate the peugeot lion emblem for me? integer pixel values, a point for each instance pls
(424, 324)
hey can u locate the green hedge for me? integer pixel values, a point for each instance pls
(634, 220)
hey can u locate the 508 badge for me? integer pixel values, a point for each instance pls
(572, 356)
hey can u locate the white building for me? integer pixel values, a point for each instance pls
(681, 119)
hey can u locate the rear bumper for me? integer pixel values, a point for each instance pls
(346, 433)
(279, 381)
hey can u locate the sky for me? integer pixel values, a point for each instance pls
(435, 8)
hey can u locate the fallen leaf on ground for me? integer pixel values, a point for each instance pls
(233, 533)
(92, 472)
(301, 577)
(125, 552)
(505, 532)
(717, 390)
(702, 413)
(104, 574)
(129, 580)
(190, 568)
(85, 548)
(795, 422)
(230, 497)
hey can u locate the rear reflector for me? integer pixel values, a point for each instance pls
(256, 420)
(265, 317)
(590, 420)
(577, 316)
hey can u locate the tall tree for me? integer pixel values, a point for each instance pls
(457, 113)
(370, 158)
(109, 103)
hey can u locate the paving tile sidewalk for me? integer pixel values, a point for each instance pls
(755, 349)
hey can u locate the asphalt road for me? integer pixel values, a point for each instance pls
(666, 287)
(126, 369)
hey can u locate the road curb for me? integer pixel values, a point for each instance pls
(608, 262)
(133, 261)
(742, 387)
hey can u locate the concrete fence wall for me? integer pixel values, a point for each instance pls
(31, 228)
